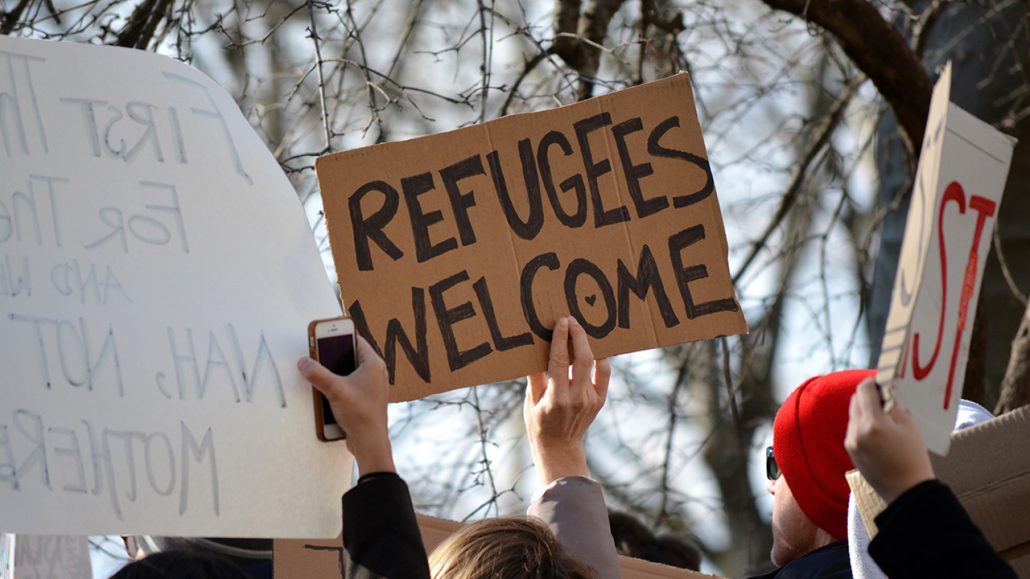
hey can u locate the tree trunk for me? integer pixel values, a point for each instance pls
(1015, 388)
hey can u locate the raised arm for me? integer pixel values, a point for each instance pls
(559, 409)
(359, 404)
(380, 532)
(924, 531)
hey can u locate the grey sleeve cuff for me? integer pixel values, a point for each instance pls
(573, 508)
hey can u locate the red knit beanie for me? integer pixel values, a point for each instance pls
(808, 443)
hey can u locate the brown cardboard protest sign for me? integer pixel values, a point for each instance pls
(457, 252)
(300, 559)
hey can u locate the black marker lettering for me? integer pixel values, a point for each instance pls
(579, 217)
(550, 261)
(460, 202)
(413, 187)
(580, 267)
(647, 278)
(655, 148)
(634, 173)
(448, 317)
(371, 228)
(501, 342)
(677, 243)
(529, 228)
(418, 355)
(602, 217)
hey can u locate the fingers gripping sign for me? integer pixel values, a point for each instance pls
(885, 446)
(561, 405)
(359, 404)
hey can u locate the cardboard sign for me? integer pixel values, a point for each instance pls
(300, 559)
(53, 557)
(157, 274)
(958, 188)
(457, 252)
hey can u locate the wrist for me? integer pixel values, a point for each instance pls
(889, 495)
(553, 464)
(375, 456)
(375, 463)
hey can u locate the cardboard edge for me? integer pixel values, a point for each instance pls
(340, 156)
(435, 530)
(867, 501)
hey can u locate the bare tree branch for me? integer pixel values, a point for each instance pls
(1015, 388)
(579, 37)
(140, 29)
(316, 41)
(879, 51)
(9, 19)
(821, 136)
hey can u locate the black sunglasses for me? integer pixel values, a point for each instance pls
(772, 470)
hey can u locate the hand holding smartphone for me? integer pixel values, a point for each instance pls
(333, 343)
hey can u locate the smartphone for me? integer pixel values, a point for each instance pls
(333, 343)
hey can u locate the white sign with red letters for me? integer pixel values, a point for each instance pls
(958, 188)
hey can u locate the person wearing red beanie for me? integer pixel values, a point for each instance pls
(810, 495)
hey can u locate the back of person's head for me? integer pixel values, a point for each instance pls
(633, 539)
(181, 564)
(808, 445)
(505, 548)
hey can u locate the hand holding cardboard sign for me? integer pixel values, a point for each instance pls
(359, 405)
(885, 446)
(559, 409)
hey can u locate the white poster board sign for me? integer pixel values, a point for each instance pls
(157, 274)
(959, 183)
(52, 557)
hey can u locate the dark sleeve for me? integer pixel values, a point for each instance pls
(926, 533)
(380, 533)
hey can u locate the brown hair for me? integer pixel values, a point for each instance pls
(636, 540)
(505, 547)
